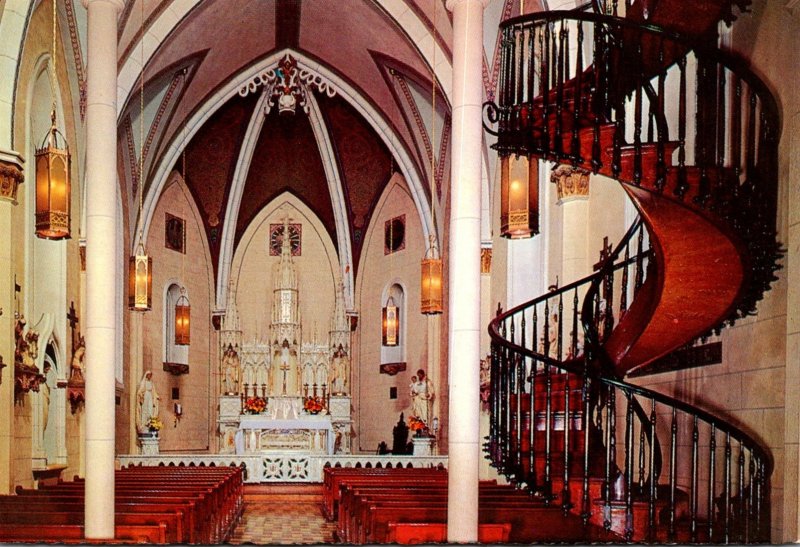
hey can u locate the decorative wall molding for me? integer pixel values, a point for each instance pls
(571, 182)
(287, 85)
(10, 176)
(283, 466)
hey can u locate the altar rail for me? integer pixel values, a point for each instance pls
(283, 466)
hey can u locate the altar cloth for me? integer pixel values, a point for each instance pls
(260, 422)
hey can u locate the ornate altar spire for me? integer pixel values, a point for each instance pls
(340, 325)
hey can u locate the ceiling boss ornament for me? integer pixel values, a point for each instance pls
(287, 86)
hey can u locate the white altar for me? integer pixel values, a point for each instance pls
(286, 372)
(310, 433)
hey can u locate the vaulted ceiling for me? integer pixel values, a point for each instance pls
(198, 52)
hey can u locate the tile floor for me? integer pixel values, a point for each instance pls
(282, 523)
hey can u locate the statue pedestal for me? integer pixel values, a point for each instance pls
(423, 446)
(230, 408)
(149, 444)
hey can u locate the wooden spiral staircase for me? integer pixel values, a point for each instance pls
(692, 135)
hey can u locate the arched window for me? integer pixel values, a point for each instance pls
(393, 314)
(174, 354)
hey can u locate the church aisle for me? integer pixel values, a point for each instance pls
(282, 523)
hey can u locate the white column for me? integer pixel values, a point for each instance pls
(465, 282)
(101, 253)
(11, 165)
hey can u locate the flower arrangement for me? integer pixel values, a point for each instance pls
(313, 405)
(417, 425)
(255, 405)
(154, 424)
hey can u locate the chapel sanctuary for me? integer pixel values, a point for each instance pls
(399, 271)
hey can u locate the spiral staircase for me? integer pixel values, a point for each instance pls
(637, 92)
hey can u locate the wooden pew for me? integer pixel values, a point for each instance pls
(333, 476)
(73, 533)
(413, 533)
(195, 505)
(27, 519)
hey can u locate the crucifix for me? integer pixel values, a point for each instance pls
(73, 322)
(605, 254)
(285, 369)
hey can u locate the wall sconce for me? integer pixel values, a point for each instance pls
(391, 323)
(177, 409)
(519, 197)
(182, 320)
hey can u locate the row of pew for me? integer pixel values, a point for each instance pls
(163, 505)
(410, 506)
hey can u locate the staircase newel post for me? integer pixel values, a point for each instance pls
(712, 449)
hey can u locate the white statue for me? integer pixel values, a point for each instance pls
(422, 394)
(339, 372)
(230, 371)
(147, 402)
(285, 371)
(76, 366)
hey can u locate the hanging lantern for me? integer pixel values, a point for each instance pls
(391, 323)
(431, 298)
(182, 314)
(519, 197)
(53, 185)
(140, 281)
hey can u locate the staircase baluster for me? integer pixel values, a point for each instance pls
(598, 105)
(548, 485)
(619, 139)
(651, 501)
(702, 131)
(726, 492)
(574, 333)
(722, 114)
(608, 295)
(673, 454)
(611, 454)
(751, 138)
(519, 361)
(637, 119)
(640, 484)
(712, 462)
(506, 418)
(530, 62)
(762, 523)
(680, 189)
(522, 380)
(545, 79)
(693, 508)
(519, 80)
(629, 458)
(532, 478)
(661, 162)
(577, 98)
(561, 78)
(751, 505)
(586, 509)
(494, 380)
(560, 327)
(623, 290)
(566, 504)
(736, 134)
(639, 261)
(741, 512)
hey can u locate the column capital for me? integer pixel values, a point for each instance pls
(451, 4)
(10, 175)
(571, 182)
(119, 4)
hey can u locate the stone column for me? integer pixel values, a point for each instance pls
(101, 254)
(572, 184)
(465, 282)
(10, 178)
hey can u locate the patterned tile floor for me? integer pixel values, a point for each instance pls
(282, 523)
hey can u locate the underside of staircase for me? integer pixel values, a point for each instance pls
(606, 91)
